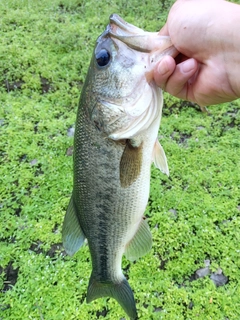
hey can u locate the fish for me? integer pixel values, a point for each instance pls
(115, 143)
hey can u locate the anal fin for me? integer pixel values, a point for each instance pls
(140, 244)
(72, 234)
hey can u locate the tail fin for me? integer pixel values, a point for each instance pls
(120, 291)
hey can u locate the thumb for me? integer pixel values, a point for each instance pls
(164, 31)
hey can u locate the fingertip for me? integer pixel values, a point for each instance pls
(188, 66)
(163, 70)
(183, 75)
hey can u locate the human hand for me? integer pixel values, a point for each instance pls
(206, 33)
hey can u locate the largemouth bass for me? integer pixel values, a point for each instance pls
(114, 145)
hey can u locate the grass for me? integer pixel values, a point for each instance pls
(194, 215)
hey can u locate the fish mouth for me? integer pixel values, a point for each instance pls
(140, 40)
(157, 46)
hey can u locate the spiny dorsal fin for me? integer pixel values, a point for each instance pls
(141, 243)
(72, 234)
(159, 158)
(120, 291)
(130, 164)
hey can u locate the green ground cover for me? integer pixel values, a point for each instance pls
(45, 49)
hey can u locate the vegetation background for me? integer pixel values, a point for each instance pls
(45, 49)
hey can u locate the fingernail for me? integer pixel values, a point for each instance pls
(188, 65)
(163, 68)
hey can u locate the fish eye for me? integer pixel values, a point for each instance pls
(103, 57)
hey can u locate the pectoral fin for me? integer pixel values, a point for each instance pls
(72, 234)
(130, 164)
(140, 244)
(159, 158)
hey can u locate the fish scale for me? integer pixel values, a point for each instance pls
(112, 199)
(115, 143)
